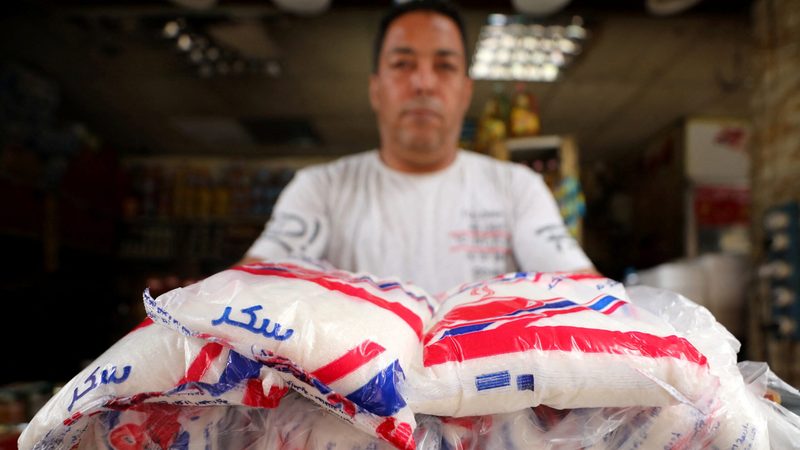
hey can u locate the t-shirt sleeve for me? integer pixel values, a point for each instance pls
(298, 225)
(541, 241)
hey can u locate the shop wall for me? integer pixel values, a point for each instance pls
(776, 162)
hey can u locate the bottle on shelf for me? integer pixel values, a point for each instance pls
(524, 114)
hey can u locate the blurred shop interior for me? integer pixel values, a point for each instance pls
(144, 142)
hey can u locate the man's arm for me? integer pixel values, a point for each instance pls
(298, 226)
(541, 241)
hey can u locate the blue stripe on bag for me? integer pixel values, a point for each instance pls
(379, 395)
(603, 302)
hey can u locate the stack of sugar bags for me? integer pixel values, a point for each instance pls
(343, 340)
(565, 341)
(626, 369)
(152, 373)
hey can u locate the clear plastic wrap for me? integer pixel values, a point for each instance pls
(561, 340)
(297, 424)
(731, 414)
(343, 340)
(783, 423)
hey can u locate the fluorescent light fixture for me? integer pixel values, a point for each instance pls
(211, 59)
(510, 48)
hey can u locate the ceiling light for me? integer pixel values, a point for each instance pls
(549, 72)
(171, 29)
(576, 32)
(210, 58)
(556, 31)
(557, 59)
(567, 46)
(185, 42)
(510, 48)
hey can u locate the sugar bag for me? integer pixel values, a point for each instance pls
(343, 340)
(151, 364)
(561, 340)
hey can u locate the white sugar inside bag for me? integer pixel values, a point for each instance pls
(565, 341)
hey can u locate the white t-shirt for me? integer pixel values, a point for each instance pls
(477, 218)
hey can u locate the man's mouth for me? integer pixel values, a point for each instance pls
(422, 114)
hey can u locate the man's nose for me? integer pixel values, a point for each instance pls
(424, 78)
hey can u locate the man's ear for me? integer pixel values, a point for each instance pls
(374, 99)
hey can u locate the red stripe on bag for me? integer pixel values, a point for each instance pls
(348, 362)
(400, 435)
(320, 279)
(582, 276)
(201, 363)
(73, 418)
(517, 337)
(613, 308)
(254, 394)
(143, 324)
(495, 308)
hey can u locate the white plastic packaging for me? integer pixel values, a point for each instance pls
(343, 340)
(151, 369)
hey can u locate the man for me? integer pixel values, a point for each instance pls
(419, 208)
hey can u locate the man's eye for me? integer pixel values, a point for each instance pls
(446, 66)
(400, 64)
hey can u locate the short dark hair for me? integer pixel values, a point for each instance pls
(442, 7)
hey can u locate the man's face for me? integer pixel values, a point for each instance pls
(420, 92)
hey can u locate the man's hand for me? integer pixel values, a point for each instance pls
(590, 271)
(247, 260)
